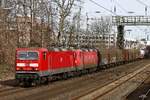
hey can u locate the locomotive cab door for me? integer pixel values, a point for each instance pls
(44, 65)
(50, 63)
(82, 60)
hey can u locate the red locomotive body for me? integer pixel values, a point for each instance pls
(31, 63)
(34, 64)
(62, 61)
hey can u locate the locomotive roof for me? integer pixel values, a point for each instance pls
(58, 49)
(62, 49)
(42, 49)
(72, 49)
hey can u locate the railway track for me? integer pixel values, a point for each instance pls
(72, 88)
(102, 92)
(142, 92)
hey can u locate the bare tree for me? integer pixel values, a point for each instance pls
(101, 26)
(23, 20)
(64, 7)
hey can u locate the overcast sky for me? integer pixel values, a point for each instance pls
(123, 7)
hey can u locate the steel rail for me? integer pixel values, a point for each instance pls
(103, 91)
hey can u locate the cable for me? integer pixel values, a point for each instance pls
(142, 3)
(102, 7)
(140, 29)
(121, 7)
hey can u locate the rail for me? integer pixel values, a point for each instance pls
(99, 92)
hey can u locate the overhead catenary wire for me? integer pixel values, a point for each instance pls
(127, 12)
(120, 6)
(146, 6)
(102, 7)
(141, 29)
(141, 2)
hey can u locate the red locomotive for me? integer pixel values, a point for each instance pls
(42, 64)
(36, 65)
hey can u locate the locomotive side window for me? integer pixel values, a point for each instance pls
(44, 55)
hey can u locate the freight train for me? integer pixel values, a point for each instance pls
(38, 65)
(147, 52)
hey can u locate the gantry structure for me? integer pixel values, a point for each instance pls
(121, 21)
(131, 20)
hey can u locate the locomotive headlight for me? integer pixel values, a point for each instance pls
(21, 64)
(34, 65)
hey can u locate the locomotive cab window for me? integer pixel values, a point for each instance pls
(44, 55)
(27, 55)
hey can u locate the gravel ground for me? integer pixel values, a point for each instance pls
(142, 92)
(67, 89)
